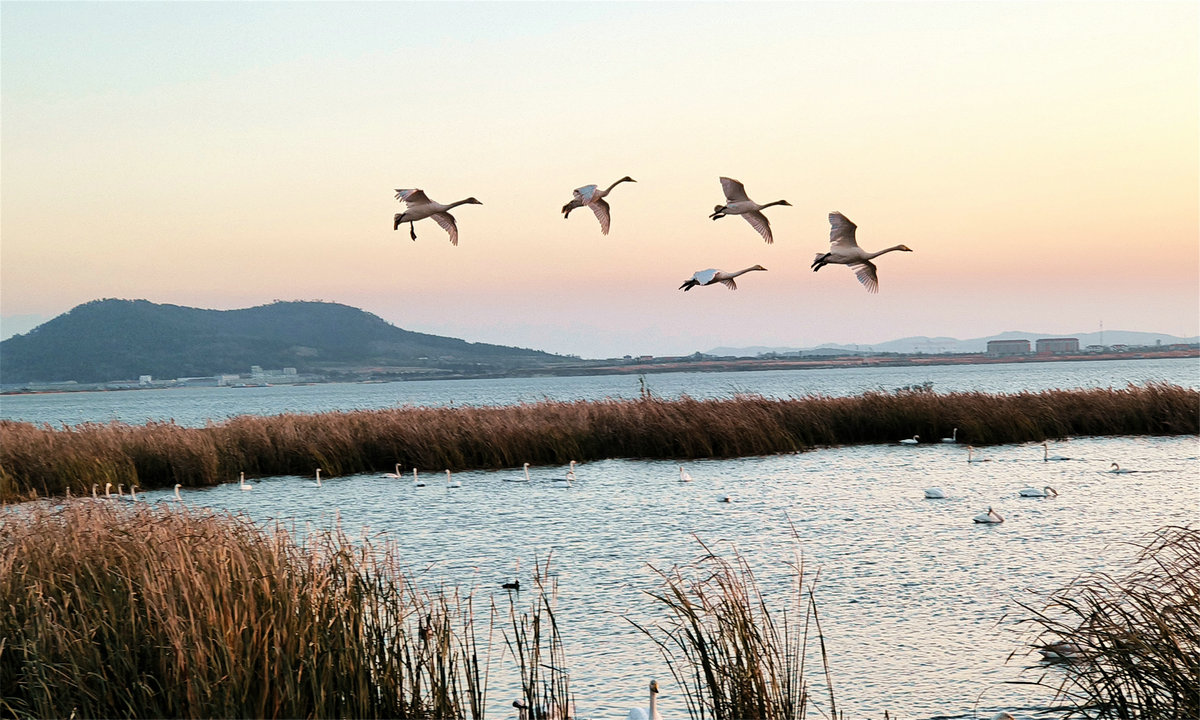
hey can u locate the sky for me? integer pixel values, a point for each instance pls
(1042, 160)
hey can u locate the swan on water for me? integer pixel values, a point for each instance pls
(934, 494)
(684, 475)
(451, 482)
(915, 439)
(953, 437)
(571, 472)
(418, 206)
(393, 475)
(242, 484)
(650, 713)
(120, 490)
(526, 469)
(177, 496)
(1060, 651)
(318, 477)
(1033, 492)
(844, 250)
(989, 517)
(971, 456)
(94, 488)
(107, 489)
(1119, 470)
(712, 276)
(738, 203)
(417, 481)
(592, 196)
(1047, 457)
(1003, 716)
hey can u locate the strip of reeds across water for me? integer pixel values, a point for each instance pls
(49, 461)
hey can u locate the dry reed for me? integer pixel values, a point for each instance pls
(1132, 642)
(46, 461)
(537, 647)
(143, 611)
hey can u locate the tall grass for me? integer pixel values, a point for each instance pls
(536, 646)
(128, 611)
(1135, 638)
(735, 653)
(48, 461)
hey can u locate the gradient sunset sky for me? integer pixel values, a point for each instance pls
(1041, 159)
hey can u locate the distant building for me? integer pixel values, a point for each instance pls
(1058, 346)
(1007, 348)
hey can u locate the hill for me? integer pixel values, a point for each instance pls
(122, 339)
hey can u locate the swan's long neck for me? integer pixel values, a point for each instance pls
(743, 271)
(610, 187)
(526, 471)
(885, 250)
(653, 705)
(460, 202)
(777, 202)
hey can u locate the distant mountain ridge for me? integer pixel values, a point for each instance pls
(935, 345)
(122, 339)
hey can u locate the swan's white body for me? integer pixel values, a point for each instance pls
(451, 482)
(571, 472)
(1033, 492)
(990, 517)
(915, 439)
(953, 437)
(394, 475)
(712, 276)
(177, 495)
(651, 712)
(971, 456)
(417, 481)
(592, 196)
(242, 484)
(934, 494)
(844, 250)
(1047, 457)
(684, 475)
(1118, 470)
(738, 203)
(418, 206)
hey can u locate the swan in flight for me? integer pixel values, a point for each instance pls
(242, 484)
(451, 482)
(712, 275)
(650, 713)
(934, 494)
(177, 495)
(417, 481)
(393, 475)
(844, 250)
(914, 440)
(684, 475)
(953, 437)
(418, 206)
(990, 517)
(571, 472)
(592, 196)
(1038, 492)
(1119, 470)
(738, 203)
(318, 477)
(1047, 457)
(971, 456)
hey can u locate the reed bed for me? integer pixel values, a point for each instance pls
(116, 610)
(47, 461)
(536, 646)
(1133, 640)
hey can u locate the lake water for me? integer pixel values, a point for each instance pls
(911, 592)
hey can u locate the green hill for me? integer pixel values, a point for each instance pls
(122, 339)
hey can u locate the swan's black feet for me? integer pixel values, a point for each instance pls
(412, 231)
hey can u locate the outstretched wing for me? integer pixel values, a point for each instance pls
(601, 209)
(585, 193)
(759, 222)
(841, 231)
(734, 190)
(729, 283)
(446, 220)
(866, 275)
(412, 197)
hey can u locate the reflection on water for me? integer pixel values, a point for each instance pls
(911, 591)
(195, 406)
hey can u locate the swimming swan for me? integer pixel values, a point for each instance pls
(713, 275)
(971, 456)
(934, 494)
(318, 477)
(417, 481)
(953, 437)
(650, 713)
(451, 482)
(1118, 470)
(915, 439)
(242, 484)
(592, 196)
(1047, 457)
(1038, 493)
(844, 250)
(684, 475)
(738, 203)
(418, 206)
(571, 472)
(394, 475)
(990, 517)
(177, 496)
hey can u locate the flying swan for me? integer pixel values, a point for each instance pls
(712, 276)
(418, 206)
(738, 203)
(844, 250)
(592, 196)
(650, 713)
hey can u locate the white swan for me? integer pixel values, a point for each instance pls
(989, 517)
(914, 440)
(844, 250)
(120, 490)
(971, 456)
(934, 494)
(738, 203)
(94, 487)
(713, 275)
(953, 437)
(417, 481)
(684, 475)
(1047, 457)
(107, 489)
(650, 713)
(393, 475)
(451, 482)
(571, 472)
(318, 477)
(1033, 492)
(1119, 470)
(133, 493)
(242, 484)
(418, 206)
(177, 496)
(592, 196)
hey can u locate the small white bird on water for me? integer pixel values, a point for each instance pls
(990, 517)
(451, 482)
(571, 472)
(394, 475)
(417, 481)
(318, 477)
(1047, 457)
(1033, 492)
(953, 437)
(738, 203)
(592, 196)
(418, 206)
(1118, 470)
(684, 475)
(242, 484)
(844, 250)
(934, 494)
(712, 276)
(914, 440)
(651, 712)
(971, 456)
(177, 496)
